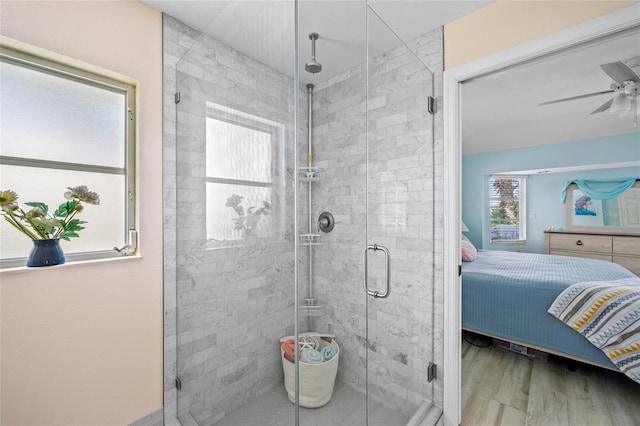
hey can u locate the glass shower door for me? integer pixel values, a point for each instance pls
(235, 251)
(399, 227)
(372, 138)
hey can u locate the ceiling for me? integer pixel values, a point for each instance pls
(501, 111)
(264, 29)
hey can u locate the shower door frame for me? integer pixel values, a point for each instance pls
(591, 30)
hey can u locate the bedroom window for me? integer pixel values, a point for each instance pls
(507, 208)
(65, 126)
(243, 177)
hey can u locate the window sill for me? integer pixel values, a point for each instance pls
(69, 265)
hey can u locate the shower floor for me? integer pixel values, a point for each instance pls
(346, 407)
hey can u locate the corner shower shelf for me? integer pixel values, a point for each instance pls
(311, 311)
(310, 239)
(310, 173)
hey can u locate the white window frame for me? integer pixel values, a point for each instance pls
(240, 118)
(37, 59)
(522, 209)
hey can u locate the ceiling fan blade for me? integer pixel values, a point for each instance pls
(605, 106)
(620, 72)
(588, 95)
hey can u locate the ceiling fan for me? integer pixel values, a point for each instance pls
(625, 86)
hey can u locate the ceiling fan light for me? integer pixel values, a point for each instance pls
(620, 105)
(633, 109)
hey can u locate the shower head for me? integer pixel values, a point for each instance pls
(313, 66)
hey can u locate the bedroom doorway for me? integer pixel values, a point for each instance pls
(453, 80)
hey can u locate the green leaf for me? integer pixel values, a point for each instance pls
(68, 234)
(65, 209)
(41, 206)
(74, 225)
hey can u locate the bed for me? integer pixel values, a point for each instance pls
(506, 295)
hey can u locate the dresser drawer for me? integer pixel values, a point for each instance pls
(580, 243)
(579, 254)
(631, 263)
(626, 245)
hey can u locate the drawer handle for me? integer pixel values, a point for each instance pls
(579, 243)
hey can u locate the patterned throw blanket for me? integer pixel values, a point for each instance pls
(607, 313)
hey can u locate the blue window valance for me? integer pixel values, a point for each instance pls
(600, 189)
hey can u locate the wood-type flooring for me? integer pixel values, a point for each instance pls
(505, 388)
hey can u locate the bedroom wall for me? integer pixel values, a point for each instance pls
(82, 342)
(516, 22)
(543, 191)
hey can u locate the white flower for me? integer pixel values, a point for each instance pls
(7, 197)
(10, 208)
(82, 193)
(35, 212)
(41, 224)
(49, 225)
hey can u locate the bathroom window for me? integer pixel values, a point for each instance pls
(507, 208)
(243, 177)
(64, 126)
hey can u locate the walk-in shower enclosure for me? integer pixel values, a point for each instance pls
(244, 190)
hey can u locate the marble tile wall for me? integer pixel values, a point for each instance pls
(401, 193)
(224, 337)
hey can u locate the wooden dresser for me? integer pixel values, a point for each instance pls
(621, 249)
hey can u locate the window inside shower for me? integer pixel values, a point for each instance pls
(243, 175)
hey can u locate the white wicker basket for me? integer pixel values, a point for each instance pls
(316, 380)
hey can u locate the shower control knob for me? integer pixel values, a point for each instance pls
(326, 222)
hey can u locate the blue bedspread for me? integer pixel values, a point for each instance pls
(507, 294)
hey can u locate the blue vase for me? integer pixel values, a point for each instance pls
(46, 253)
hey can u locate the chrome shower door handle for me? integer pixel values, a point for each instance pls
(387, 271)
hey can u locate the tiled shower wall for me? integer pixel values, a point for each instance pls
(233, 304)
(400, 161)
(221, 320)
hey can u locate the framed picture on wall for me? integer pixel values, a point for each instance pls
(586, 211)
(616, 215)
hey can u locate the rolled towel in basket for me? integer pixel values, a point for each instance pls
(289, 349)
(328, 352)
(311, 356)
